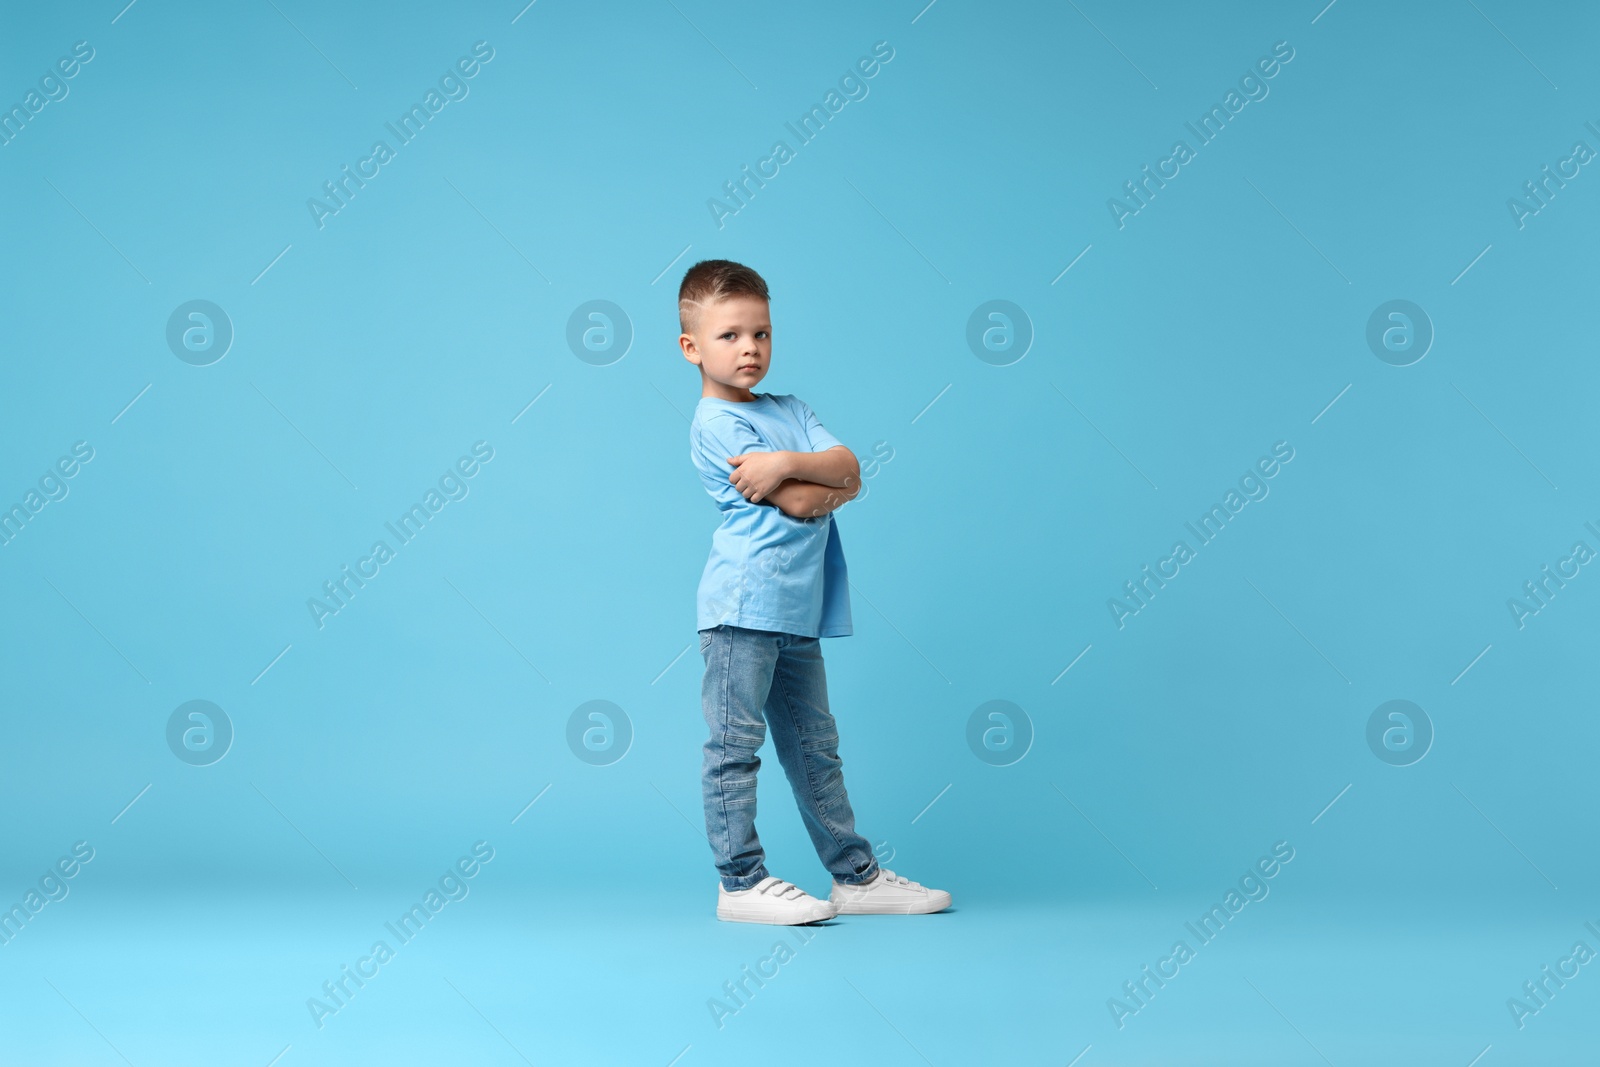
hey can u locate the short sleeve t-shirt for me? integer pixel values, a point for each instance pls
(767, 570)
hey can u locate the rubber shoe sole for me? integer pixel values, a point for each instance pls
(738, 911)
(772, 901)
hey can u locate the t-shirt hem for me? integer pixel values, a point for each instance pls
(784, 626)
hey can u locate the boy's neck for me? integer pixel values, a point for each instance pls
(726, 392)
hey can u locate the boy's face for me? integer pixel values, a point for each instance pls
(732, 345)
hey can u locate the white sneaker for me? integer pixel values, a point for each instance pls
(771, 900)
(888, 894)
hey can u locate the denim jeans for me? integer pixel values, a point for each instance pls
(756, 679)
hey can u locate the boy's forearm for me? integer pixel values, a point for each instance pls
(835, 466)
(805, 500)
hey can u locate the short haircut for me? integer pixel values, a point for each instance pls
(715, 279)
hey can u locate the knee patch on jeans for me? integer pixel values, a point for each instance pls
(825, 767)
(738, 767)
(739, 749)
(745, 737)
(823, 742)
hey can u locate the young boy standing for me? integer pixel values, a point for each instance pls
(773, 585)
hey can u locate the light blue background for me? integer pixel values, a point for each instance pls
(429, 313)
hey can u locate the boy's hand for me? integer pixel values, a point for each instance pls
(755, 474)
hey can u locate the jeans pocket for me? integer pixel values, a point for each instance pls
(705, 640)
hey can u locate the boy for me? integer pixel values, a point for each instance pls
(773, 585)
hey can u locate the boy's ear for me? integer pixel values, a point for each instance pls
(686, 344)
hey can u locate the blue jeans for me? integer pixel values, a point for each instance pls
(760, 678)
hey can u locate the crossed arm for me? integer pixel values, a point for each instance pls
(802, 485)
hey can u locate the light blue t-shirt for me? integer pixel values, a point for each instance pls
(767, 570)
